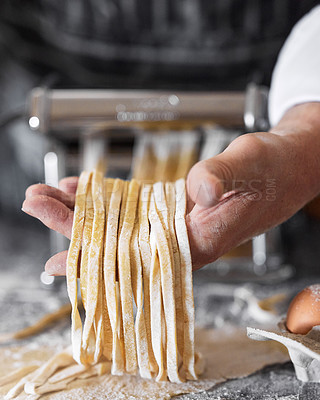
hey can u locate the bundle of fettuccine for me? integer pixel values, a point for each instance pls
(130, 246)
(131, 243)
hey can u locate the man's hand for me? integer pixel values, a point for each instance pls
(259, 181)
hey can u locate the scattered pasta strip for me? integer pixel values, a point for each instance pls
(47, 387)
(61, 379)
(42, 374)
(39, 326)
(99, 369)
(67, 373)
(17, 374)
(18, 387)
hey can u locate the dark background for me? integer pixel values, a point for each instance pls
(152, 43)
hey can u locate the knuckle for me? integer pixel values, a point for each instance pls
(61, 214)
(254, 151)
(257, 143)
(34, 190)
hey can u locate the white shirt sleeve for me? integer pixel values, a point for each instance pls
(296, 77)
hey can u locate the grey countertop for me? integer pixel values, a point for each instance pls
(24, 245)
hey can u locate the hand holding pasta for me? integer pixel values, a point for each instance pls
(259, 181)
(131, 243)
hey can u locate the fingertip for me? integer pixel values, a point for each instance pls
(33, 190)
(25, 208)
(28, 206)
(56, 265)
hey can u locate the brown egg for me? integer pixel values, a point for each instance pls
(304, 311)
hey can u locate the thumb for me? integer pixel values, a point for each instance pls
(206, 181)
(243, 160)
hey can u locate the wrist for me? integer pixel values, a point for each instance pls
(302, 119)
(300, 130)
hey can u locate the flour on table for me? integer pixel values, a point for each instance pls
(229, 355)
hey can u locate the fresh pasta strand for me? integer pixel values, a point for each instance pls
(167, 278)
(85, 250)
(186, 280)
(102, 320)
(86, 239)
(125, 276)
(94, 265)
(171, 201)
(107, 330)
(120, 319)
(110, 275)
(140, 326)
(145, 254)
(156, 305)
(72, 263)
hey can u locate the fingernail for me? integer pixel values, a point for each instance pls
(25, 208)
